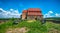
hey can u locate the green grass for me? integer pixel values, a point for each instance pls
(35, 27)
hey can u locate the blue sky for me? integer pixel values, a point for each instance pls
(49, 8)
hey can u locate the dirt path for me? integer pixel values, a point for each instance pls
(17, 30)
(52, 30)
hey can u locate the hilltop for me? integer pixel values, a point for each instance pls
(29, 26)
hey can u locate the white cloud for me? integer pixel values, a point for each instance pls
(16, 11)
(57, 15)
(1, 9)
(11, 9)
(48, 14)
(9, 13)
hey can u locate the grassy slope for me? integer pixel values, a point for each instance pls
(35, 26)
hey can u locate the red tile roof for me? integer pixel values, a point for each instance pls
(34, 13)
(34, 9)
(25, 11)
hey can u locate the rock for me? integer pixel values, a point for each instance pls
(15, 22)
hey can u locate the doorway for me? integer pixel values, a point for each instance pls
(35, 17)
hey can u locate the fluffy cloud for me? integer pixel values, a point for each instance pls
(9, 13)
(48, 14)
(57, 15)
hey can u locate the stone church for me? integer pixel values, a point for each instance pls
(32, 14)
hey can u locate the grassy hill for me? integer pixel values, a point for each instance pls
(32, 25)
(53, 18)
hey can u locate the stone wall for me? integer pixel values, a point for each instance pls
(34, 18)
(23, 16)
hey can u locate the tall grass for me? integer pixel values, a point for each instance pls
(35, 27)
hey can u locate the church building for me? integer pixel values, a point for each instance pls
(32, 14)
